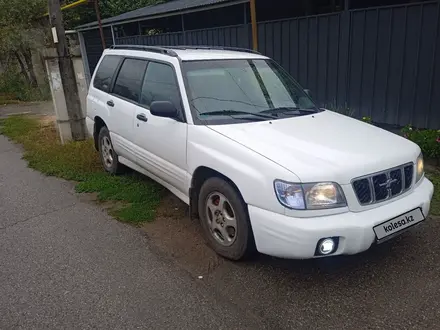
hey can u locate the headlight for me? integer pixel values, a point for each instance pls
(323, 195)
(420, 167)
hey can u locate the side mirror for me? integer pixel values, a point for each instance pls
(163, 109)
(308, 92)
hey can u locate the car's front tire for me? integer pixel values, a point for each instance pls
(225, 220)
(109, 158)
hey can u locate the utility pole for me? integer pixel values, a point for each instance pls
(98, 17)
(67, 73)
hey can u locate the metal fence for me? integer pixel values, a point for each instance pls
(165, 39)
(380, 62)
(232, 36)
(93, 46)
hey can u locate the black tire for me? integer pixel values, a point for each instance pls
(243, 246)
(114, 167)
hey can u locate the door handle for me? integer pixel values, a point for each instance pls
(142, 117)
(110, 103)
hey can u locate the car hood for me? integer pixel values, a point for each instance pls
(325, 146)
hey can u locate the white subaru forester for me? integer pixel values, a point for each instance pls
(234, 136)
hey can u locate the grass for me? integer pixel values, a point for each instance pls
(434, 175)
(137, 197)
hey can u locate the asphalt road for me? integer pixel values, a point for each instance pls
(65, 264)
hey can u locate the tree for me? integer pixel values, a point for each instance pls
(20, 33)
(109, 8)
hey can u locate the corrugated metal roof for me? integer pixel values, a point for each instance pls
(163, 8)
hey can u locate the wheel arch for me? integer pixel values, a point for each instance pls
(99, 123)
(200, 175)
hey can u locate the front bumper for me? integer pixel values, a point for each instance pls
(296, 238)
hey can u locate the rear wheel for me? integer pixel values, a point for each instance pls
(109, 158)
(224, 219)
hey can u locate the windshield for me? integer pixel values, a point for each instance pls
(232, 91)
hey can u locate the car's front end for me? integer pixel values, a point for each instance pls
(349, 232)
(359, 186)
(323, 184)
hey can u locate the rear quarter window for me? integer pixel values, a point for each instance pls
(105, 72)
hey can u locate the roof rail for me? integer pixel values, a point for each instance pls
(236, 49)
(155, 49)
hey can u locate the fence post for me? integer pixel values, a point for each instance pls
(113, 34)
(346, 24)
(254, 25)
(83, 49)
(245, 26)
(183, 29)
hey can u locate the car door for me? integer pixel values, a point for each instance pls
(162, 141)
(122, 104)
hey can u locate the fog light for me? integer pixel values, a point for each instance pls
(326, 246)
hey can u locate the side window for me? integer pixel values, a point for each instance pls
(129, 81)
(105, 72)
(160, 85)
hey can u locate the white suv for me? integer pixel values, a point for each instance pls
(231, 134)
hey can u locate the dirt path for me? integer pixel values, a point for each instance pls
(34, 108)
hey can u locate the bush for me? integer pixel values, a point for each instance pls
(427, 139)
(14, 87)
(367, 120)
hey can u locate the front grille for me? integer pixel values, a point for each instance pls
(384, 185)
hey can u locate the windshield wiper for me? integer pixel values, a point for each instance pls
(288, 110)
(236, 112)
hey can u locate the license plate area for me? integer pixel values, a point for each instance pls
(398, 224)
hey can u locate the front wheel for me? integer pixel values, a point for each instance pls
(225, 220)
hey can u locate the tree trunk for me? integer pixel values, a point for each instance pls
(22, 67)
(30, 67)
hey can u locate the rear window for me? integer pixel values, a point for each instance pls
(105, 72)
(129, 81)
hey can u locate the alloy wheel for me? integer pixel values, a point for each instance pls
(221, 219)
(107, 152)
